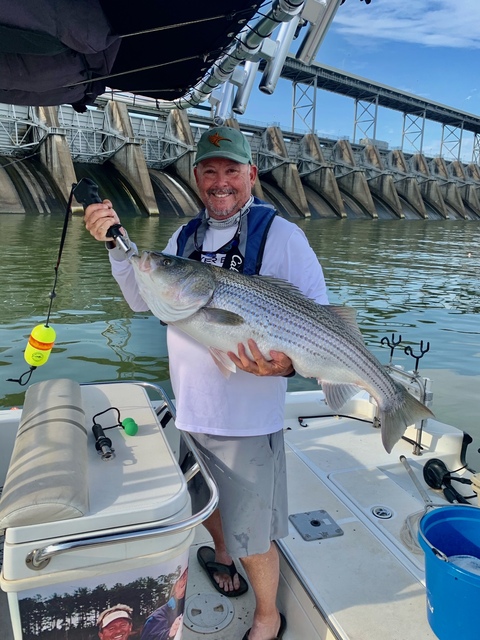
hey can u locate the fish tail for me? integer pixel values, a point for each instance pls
(395, 422)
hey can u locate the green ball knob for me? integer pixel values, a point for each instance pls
(130, 426)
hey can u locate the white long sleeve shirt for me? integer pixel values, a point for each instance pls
(243, 404)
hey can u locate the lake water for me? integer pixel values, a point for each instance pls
(418, 279)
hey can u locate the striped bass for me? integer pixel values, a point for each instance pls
(221, 308)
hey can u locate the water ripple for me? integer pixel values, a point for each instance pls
(414, 278)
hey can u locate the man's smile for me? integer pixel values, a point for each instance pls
(221, 194)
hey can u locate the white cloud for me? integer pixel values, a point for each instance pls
(432, 23)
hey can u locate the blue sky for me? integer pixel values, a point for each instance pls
(429, 48)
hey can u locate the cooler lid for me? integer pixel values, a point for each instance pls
(142, 484)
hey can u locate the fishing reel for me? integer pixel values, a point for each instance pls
(103, 444)
(437, 476)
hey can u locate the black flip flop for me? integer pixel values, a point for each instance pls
(206, 559)
(281, 631)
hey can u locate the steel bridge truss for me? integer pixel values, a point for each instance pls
(413, 130)
(160, 145)
(451, 144)
(365, 118)
(305, 104)
(21, 133)
(370, 95)
(90, 135)
(476, 149)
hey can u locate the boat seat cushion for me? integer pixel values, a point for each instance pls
(46, 478)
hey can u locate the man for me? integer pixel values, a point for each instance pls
(236, 422)
(166, 621)
(115, 623)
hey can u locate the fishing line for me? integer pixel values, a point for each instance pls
(42, 338)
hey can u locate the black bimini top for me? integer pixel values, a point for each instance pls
(62, 52)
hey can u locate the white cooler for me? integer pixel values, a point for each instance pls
(85, 534)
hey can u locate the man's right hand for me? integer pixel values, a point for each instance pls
(99, 217)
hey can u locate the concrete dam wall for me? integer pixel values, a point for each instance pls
(143, 161)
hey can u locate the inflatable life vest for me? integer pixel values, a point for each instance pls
(251, 242)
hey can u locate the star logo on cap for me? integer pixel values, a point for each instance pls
(215, 139)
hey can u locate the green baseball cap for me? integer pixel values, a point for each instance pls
(224, 142)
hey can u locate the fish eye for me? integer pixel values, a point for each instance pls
(166, 262)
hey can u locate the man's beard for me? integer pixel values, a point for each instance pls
(221, 213)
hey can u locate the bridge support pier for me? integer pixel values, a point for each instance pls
(351, 178)
(284, 173)
(381, 182)
(429, 187)
(129, 159)
(55, 155)
(451, 195)
(405, 184)
(179, 130)
(322, 178)
(9, 200)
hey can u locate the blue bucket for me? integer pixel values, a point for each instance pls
(453, 593)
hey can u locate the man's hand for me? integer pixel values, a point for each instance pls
(279, 365)
(175, 626)
(99, 217)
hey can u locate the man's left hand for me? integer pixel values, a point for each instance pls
(279, 365)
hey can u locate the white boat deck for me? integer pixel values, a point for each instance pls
(365, 581)
(362, 582)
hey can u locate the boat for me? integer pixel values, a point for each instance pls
(352, 565)
(95, 507)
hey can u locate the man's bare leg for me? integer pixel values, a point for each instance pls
(213, 525)
(263, 571)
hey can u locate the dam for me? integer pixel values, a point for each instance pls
(142, 159)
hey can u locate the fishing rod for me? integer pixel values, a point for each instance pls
(42, 338)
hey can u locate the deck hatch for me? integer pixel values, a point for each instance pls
(208, 612)
(315, 525)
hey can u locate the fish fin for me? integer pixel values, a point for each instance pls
(221, 316)
(283, 284)
(394, 423)
(349, 316)
(223, 362)
(337, 395)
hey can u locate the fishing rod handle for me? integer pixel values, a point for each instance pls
(86, 192)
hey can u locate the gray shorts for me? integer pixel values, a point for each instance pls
(250, 473)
